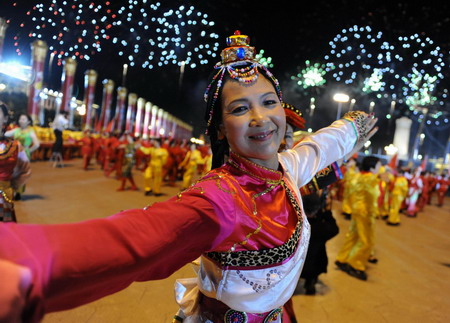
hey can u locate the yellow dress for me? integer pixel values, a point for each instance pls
(154, 172)
(349, 176)
(398, 194)
(359, 240)
(190, 163)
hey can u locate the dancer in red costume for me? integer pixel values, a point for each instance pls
(14, 169)
(171, 166)
(423, 197)
(87, 148)
(442, 188)
(244, 219)
(110, 149)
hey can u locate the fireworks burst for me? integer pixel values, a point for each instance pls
(153, 36)
(355, 52)
(265, 61)
(422, 63)
(71, 28)
(409, 72)
(312, 75)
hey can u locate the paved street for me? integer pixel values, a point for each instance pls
(411, 282)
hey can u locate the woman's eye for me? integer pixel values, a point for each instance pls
(239, 110)
(270, 102)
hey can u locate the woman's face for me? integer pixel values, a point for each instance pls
(23, 121)
(253, 120)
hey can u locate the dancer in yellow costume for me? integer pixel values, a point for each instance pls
(399, 191)
(207, 161)
(349, 176)
(383, 201)
(358, 243)
(190, 163)
(154, 172)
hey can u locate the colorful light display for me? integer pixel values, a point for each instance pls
(150, 35)
(312, 75)
(410, 72)
(71, 28)
(266, 61)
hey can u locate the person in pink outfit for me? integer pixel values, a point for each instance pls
(242, 225)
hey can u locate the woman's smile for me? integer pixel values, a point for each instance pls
(262, 136)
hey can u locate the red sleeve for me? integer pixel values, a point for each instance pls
(73, 264)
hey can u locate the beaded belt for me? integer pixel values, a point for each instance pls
(217, 312)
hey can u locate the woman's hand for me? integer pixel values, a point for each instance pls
(15, 282)
(366, 127)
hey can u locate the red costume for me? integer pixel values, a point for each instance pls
(14, 170)
(424, 196)
(443, 183)
(87, 150)
(109, 150)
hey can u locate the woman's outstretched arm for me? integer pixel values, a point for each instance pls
(73, 264)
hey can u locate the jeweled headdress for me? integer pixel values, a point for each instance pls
(238, 60)
(293, 116)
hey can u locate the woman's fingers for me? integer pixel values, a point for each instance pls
(15, 282)
(371, 133)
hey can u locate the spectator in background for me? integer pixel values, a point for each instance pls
(317, 208)
(59, 125)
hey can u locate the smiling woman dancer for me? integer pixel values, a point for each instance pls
(244, 219)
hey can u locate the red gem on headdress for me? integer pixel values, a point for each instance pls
(237, 32)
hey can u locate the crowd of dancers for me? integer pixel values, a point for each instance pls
(399, 190)
(159, 159)
(369, 191)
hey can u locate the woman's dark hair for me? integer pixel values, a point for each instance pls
(369, 162)
(30, 120)
(4, 109)
(220, 147)
(158, 140)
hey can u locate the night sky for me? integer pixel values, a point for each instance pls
(289, 31)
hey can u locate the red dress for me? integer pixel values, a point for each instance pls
(14, 170)
(87, 150)
(444, 182)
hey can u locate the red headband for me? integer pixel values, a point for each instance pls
(293, 116)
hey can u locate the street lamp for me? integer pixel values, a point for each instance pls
(391, 150)
(340, 98)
